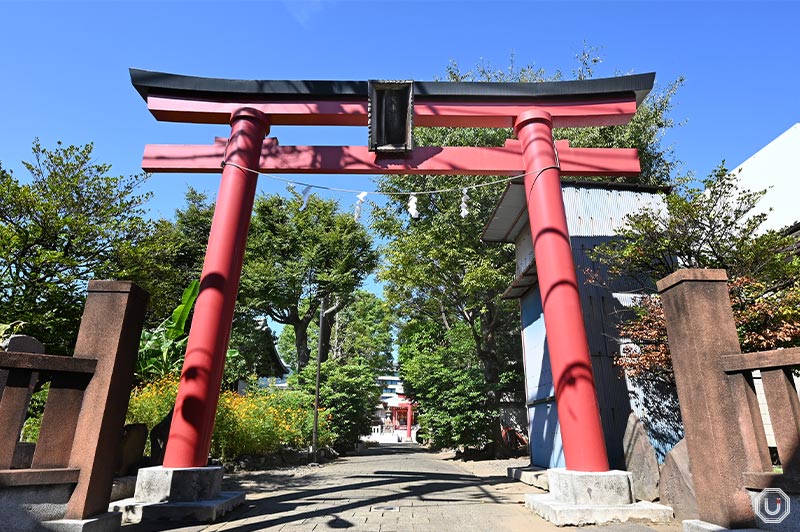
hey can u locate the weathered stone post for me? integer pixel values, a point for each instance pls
(110, 330)
(701, 330)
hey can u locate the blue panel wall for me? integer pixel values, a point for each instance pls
(594, 215)
(543, 432)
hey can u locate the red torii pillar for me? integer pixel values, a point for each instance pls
(198, 394)
(409, 417)
(578, 411)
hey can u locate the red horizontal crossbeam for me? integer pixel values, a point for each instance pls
(500, 161)
(598, 112)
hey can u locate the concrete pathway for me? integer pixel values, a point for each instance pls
(398, 487)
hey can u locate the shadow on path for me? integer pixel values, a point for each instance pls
(342, 493)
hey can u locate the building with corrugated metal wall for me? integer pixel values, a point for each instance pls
(595, 211)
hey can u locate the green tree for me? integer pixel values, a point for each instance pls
(348, 394)
(162, 350)
(436, 267)
(364, 328)
(169, 255)
(256, 345)
(286, 345)
(297, 255)
(64, 227)
(440, 369)
(712, 226)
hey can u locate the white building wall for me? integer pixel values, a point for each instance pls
(775, 167)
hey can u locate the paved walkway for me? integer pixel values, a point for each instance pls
(397, 487)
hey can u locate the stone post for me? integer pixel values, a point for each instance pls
(110, 330)
(700, 329)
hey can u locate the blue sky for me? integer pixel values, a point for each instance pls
(64, 65)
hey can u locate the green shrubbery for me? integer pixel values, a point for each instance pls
(263, 421)
(441, 370)
(349, 391)
(161, 350)
(33, 422)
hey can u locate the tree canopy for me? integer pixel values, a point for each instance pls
(707, 226)
(67, 225)
(169, 255)
(348, 394)
(442, 372)
(299, 252)
(712, 226)
(173, 259)
(364, 329)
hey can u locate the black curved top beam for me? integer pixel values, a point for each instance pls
(215, 89)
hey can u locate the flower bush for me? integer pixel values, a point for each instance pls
(260, 422)
(152, 401)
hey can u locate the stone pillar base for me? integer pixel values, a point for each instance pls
(191, 493)
(108, 522)
(579, 498)
(532, 475)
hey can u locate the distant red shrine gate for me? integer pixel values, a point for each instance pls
(390, 109)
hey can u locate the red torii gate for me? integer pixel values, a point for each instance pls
(251, 107)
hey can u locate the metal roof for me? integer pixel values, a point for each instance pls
(522, 283)
(217, 89)
(510, 214)
(594, 209)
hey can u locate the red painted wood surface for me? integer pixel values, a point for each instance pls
(198, 393)
(501, 161)
(597, 112)
(576, 397)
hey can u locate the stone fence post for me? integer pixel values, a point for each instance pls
(701, 330)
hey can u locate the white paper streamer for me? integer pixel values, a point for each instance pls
(412, 206)
(464, 200)
(361, 197)
(306, 192)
